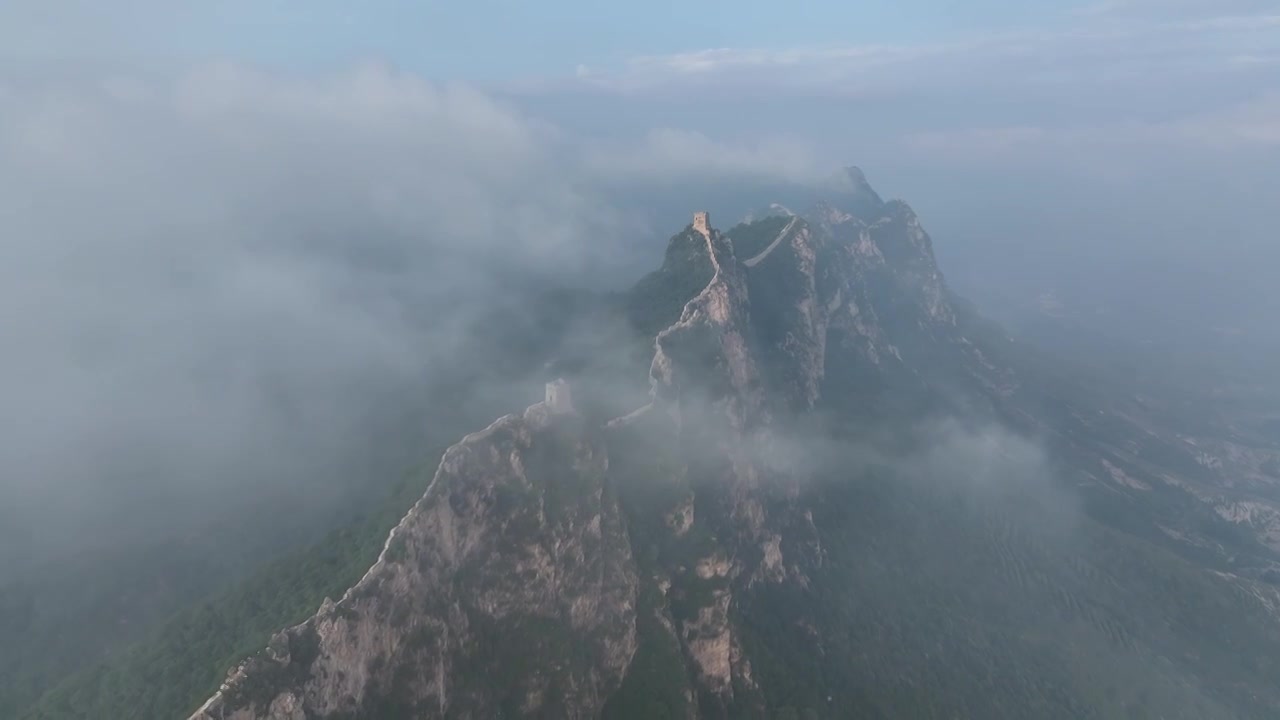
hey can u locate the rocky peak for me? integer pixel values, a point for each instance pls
(827, 216)
(784, 286)
(856, 175)
(711, 338)
(849, 190)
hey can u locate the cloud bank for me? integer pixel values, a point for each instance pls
(209, 283)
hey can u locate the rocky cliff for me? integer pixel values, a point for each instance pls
(507, 590)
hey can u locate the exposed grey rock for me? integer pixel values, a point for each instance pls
(509, 587)
(711, 338)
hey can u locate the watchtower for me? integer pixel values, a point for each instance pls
(702, 223)
(559, 400)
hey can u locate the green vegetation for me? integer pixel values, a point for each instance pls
(547, 464)
(656, 681)
(74, 615)
(188, 656)
(656, 302)
(932, 604)
(647, 475)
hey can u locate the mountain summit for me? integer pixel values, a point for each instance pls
(849, 189)
(846, 496)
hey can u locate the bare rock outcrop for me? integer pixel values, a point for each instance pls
(509, 588)
(708, 350)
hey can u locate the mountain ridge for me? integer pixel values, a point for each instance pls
(703, 365)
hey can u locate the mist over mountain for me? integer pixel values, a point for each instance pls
(267, 276)
(789, 472)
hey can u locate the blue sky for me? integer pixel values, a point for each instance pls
(487, 40)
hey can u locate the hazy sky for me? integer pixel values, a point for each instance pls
(502, 40)
(488, 39)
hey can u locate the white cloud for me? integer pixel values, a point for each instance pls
(712, 60)
(1249, 125)
(207, 281)
(1109, 41)
(211, 269)
(1174, 8)
(1245, 127)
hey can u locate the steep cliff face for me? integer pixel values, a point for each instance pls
(734, 361)
(707, 353)
(844, 293)
(509, 589)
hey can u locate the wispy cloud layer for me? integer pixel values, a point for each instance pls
(1105, 44)
(212, 283)
(206, 280)
(668, 152)
(1246, 126)
(1126, 95)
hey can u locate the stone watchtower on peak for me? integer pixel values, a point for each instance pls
(702, 222)
(559, 400)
